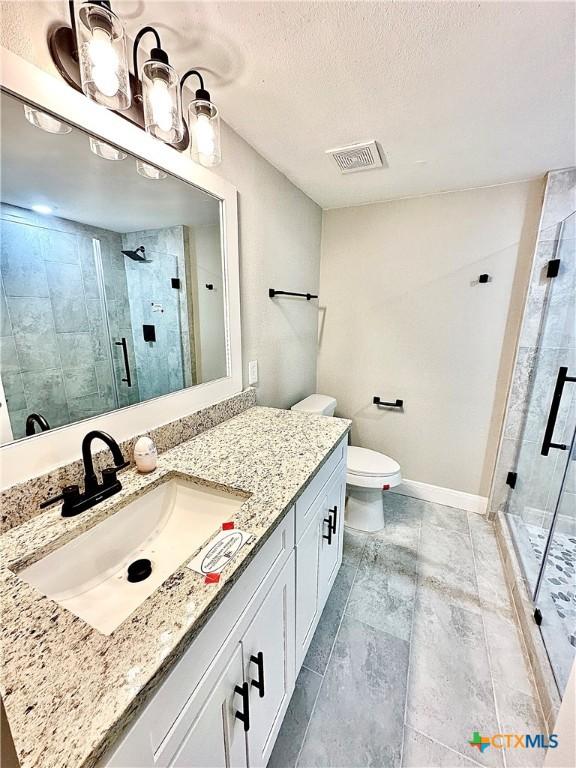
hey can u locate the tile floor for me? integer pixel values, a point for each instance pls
(416, 649)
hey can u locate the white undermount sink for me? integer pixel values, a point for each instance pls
(166, 525)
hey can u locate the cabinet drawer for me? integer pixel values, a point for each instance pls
(305, 503)
(225, 626)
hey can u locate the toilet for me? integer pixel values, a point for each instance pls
(368, 474)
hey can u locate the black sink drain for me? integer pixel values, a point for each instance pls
(139, 570)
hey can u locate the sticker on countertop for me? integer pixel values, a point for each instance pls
(218, 553)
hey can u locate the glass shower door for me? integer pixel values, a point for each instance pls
(555, 593)
(542, 507)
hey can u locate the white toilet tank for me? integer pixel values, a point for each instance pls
(321, 405)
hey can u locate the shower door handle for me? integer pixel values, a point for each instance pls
(553, 415)
(122, 343)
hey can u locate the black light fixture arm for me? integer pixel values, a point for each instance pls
(137, 39)
(201, 93)
(188, 74)
(72, 12)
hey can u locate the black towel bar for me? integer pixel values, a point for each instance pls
(273, 292)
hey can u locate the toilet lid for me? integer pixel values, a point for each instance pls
(363, 461)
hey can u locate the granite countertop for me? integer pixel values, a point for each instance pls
(70, 691)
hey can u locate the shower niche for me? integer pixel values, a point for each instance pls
(103, 274)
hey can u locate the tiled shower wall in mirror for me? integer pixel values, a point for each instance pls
(55, 350)
(156, 300)
(69, 297)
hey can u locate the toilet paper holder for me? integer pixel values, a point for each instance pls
(386, 404)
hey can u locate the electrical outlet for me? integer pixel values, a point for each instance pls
(253, 372)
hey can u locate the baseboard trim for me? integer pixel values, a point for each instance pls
(447, 496)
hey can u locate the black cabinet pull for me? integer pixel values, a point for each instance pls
(329, 537)
(259, 684)
(553, 414)
(333, 519)
(244, 716)
(122, 343)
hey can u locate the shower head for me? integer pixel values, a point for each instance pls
(137, 255)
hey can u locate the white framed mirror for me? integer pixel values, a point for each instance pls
(119, 276)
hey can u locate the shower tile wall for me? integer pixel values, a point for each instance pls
(167, 364)
(521, 436)
(54, 352)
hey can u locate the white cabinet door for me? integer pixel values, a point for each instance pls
(216, 738)
(332, 530)
(307, 597)
(269, 665)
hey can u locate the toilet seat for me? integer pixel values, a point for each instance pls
(371, 469)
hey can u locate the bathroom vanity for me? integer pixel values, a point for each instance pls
(199, 674)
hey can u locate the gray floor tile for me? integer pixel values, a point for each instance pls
(445, 517)
(384, 588)
(358, 719)
(492, 588)
(446, 564)
(422, 752)
(519, 713)
(323, 640)
(291, 736)
(353, 546)
(450, 689)
(508, 660)
(402, 518)
(403, 509)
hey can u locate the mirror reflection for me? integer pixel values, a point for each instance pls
(112, 277)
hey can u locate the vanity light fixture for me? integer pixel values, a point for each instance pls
(45, 121)
(90, 55)
(149, 171)
(107, 151)
(160, 93)
(203, 125)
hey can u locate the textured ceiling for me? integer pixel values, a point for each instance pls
(457, 94)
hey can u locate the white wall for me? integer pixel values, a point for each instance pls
(280, 230)
(210, 350)
(400, 319)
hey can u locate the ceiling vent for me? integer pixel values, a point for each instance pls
(357, 157)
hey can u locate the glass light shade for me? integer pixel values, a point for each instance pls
(102, 55)
(204, 128)
(45, 121)
(161, 97)
(149, 171)
(107, 151)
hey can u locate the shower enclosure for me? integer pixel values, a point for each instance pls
(541, 506)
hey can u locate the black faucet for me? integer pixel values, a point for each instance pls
(94, 492)
(32, 420)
